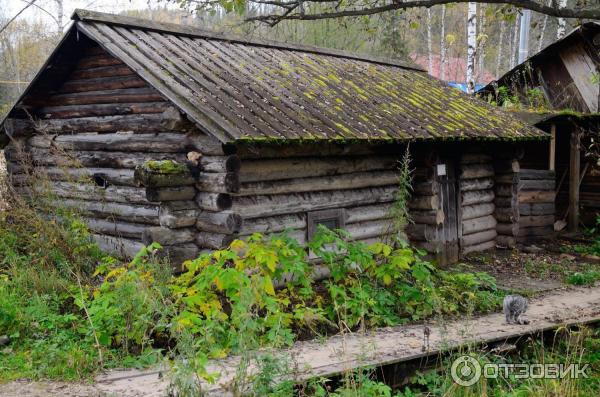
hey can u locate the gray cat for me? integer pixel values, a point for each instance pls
(515, 307)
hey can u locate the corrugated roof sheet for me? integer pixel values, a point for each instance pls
(242, 90)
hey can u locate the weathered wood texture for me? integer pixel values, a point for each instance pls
(477, 229)
(536, 204)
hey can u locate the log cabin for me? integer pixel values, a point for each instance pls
(558, 91)
(168, 133)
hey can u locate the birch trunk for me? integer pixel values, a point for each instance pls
(429, 43)
(543, 30)
(562, 23)
(515, 41)
(482, 42)
(443, 49)
(471, 45)
(500, 47)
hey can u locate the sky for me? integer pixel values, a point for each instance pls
(9, 8)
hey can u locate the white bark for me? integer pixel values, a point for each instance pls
(471, 45)
(543, 30)
(59, 15)
(515, 41)
(481, 42)
(443, 48)
(499, 56)
(562, 23)
(429, 43)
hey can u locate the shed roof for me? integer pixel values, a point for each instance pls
(240, 90)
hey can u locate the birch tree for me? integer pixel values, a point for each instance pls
(429, 43)
(562, 23)
(443, 45)
(514, 44)
(499, 55)
(543, 30)
(471, 45)
(481, 41)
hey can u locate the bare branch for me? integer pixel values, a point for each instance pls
(592, 12)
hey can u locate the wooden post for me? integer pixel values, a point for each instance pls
(552, 161)
(574, 164)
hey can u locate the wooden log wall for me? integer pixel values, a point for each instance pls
(536, 204)
(477, 223)
(92, 133)
(506, 201)
(272, 195)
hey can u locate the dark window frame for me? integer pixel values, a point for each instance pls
(315, 218)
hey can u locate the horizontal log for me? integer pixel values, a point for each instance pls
(538, 231)
(218, 182)
(213, 201)
(178, 214)
(147, 214)
(508, 229)
(429, 217)
(100, 176)
(368, 213)
(167, 236)
(114, 142)
(476, 197)
(177, 254)
(80, 191)
(163, 174)
(427, 188)
(470, 171)
(536, 209)
(478, 225)
(538, 184)
(111, 109)
(98, 60)
(257, 206)
(537, 174)
(476, 184)
(116, 228)
(536, 220)
(369, 229)
(225, 222)
(96, 159)
(476, 211)
(102, 71)
(214, 240)
(506, 241)
(488, 245)
(507, 166)
(324, 149)
(18, 128)
(299, 236)
(208, 145)
(337, 182)
(507, 214)
(118, 246)
(269, 170)
(422, 232)
(98, 97)
(220, 164)
(423, 203)
(478, 238)
(475, 158)
(506, 202)
(509, 179)
(273, 224)
(169, 120)
(102, 83)
(174, 193)
(506, 190)
(536, 196)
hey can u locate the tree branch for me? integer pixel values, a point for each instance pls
(592, 12)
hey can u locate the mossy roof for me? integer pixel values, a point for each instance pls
(240, 90)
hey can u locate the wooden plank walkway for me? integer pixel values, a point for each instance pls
(395, 344)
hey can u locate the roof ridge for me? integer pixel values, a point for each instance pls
(167, 27)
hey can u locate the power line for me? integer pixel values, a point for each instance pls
(18, 13)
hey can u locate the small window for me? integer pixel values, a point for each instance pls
(332, 219)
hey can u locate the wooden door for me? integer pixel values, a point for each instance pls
(448, 239)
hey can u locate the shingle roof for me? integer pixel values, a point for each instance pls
(254, 90)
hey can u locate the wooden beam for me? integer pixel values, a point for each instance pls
(574, 165)
(552, 159)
